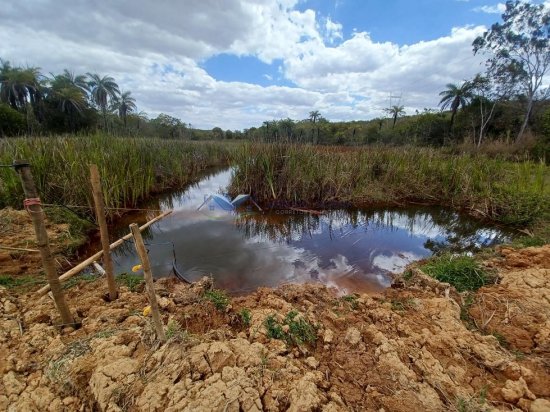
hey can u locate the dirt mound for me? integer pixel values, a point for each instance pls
(16, 231)
(298, 348)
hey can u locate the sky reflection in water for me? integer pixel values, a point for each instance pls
(354, 251)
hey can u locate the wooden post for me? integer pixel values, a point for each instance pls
(82, 265)
(146, 266)
(32, 203)
(104, 233)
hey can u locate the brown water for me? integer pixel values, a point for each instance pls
(353, 250)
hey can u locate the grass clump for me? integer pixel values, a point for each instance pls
(218, 298)
(529, 241)
(461, 271)
(352, 300)
(75, 280)
(130, 281)
(246, 317)
(11, 282)
(294, 329)
(175, 331)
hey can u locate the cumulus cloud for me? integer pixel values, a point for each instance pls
(496, 9)
(156, 50)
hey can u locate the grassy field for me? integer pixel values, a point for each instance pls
(131, 168)
(515, 193)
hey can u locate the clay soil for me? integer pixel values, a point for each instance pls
(418, 346)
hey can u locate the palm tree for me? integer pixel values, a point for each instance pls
(395, 112)
(314, 115)
(102, 90)
(69, 78)
(455, 97)
(125, 104)
(19, 86)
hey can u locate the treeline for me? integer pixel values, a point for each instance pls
(32, 103)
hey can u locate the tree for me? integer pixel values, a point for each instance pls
(395, 112)
(519, 49)
(19, 86)
(125, 105)
(485, 97)
(455, 97)
(102, 90)
(314, 115)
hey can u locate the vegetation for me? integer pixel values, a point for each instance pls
(130, 281)
(246, 317)
(131, 168)
(218, 298)
(294, 329)
(461, 271)
(286, 174)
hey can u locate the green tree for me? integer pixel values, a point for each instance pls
(395, 111)
(102, 89)
(125, 105)
(314, 115)
(519, 50)
(19, 86)
(455, 97)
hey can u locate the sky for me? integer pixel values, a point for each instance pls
(237, 63)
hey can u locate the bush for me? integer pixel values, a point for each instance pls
(12, 122)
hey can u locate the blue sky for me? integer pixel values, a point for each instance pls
(236, 63)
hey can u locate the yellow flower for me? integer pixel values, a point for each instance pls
(136, 268)
(146, 310)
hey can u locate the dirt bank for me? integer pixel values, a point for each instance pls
(418, 346)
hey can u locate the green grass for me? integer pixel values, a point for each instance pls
(11, 282)
(218, 298)
(246, 317)
(298, 330)
(463, 272)
(129, 280)
(131, 168)
(515, 193)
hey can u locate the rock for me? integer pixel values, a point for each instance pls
(353, 336)
(9, 307)
(312, 362)
(328, 336)
(540, 405)
(305, 396)
(513, 391)
(219, 355)
(12, 385)
(110, 380)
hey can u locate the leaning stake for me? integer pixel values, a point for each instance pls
(33, 205)
(140, 247)
(100, 216)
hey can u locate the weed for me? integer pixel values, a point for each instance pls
(518, 354)
(407, 275)
(465, 312)
(501, 339)
(352, 300)
(294, 329)
(175, 331)
(75, 280)
(11, 282)
(129, 280)
(246, 317)
(529, 241)
(218, 297)
(461, 271)
(400, 305)
(474, 404)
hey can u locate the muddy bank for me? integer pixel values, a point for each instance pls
(299, 347)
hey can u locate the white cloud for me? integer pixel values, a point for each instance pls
(496, 9)
(155, 50)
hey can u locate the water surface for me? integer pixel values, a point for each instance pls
(352, 250)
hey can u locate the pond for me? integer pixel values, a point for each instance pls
(352, 250)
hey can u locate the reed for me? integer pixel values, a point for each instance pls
(131, 168)
(514, 193)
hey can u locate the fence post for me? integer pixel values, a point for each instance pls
(146, 266)
(33, 205)
(104, 233)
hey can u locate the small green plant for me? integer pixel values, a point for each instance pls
(294, 329)
(465, 312)
(246, 317)
(130, 281)
(529, 241)
(218, 297)
(174, 330)
(407, 275)
(10, 282)
(501, 339)
(352, 300)
(474, 404)
(461, 271)
(402, 304)
(77, 279)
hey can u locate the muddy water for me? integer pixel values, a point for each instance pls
(353, 250)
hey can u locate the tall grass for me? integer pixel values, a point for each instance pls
(130, 168)
(510, 192)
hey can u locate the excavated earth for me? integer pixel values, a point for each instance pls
(418, 346)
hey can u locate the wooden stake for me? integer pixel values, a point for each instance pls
(146, 266)
(37, 215)
(82, 265)
(104, 232)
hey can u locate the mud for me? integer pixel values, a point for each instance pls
(418, 346)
